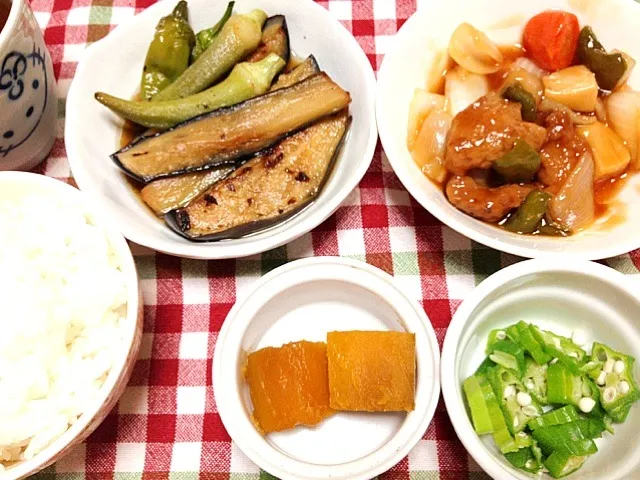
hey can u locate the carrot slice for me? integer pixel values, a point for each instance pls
(551, 39)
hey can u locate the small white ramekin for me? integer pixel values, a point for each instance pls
(562, 297)
(304, 300)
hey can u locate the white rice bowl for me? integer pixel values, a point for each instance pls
(64, 316)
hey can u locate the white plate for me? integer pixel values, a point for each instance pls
(114, 64)
(405, 68)
(304, 300)
(561, 297)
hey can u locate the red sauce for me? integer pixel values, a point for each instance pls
(605, 193)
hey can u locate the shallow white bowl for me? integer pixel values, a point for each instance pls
(119, 375)
(114, 64)
(405, 68)
(561, 297)
(304, 300)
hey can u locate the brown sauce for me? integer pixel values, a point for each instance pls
(610, 212)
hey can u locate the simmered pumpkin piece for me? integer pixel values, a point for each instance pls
(288, 386)
(371, 371)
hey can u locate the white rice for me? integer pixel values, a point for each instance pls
(62, 314)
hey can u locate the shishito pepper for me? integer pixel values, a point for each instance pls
(246, 80)
(239, 37)
(204, 38)
(615, 381)
(169, 51)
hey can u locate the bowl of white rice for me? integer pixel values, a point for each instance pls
(70, 320)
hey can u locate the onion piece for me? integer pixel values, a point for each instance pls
(462, 88)
(548, 105)
(623, 111)
(441, 65)
(422, 104)
(430, 145)
(524, 63)
(473, 50)
(574, 205)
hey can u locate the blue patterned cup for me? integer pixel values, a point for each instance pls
(28, 102)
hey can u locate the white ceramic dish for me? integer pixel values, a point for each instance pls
(405, 68)
(119, 375)
(304, 300)
(114, 64)
(561, 297)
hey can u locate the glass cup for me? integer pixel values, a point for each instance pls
(28, 101)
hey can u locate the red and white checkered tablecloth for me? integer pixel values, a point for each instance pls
(166, 425)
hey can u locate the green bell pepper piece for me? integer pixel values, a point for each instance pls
(524, 459)
(517, 93)
(562, 348)
(559, 416)
(519, 165)
(509, 355)
(516, 417)
(204, 38)
(610, 395)
(535, 379)
(528, 216)
(561, 463)
(609, 68)
(169, 51)
(530, 344)
(477, 406)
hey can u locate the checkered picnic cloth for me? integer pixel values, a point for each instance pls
(166, 425)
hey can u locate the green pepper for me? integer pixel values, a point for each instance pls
(519, 165)
(619, 387)
(169, 51)
(562, 348)
(478, 407)
(509, 355)
(517, 93)
(506, 388)
(535, 379)
(204, 38)
(238, 37)
(529, 215)
(609, 68)
(562, 463)
(524, 459)
(246, 80)
(559, 416)
(530, 344)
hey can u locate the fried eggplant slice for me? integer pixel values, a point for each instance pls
(268, 188)
(230, 133)
(166, 194)
(275, 39)
(306, 69)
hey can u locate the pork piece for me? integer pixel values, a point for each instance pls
(488, 204)
(487, 130)
(562, 151)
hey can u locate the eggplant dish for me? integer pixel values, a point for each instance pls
(239, 135)
(533, 138)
